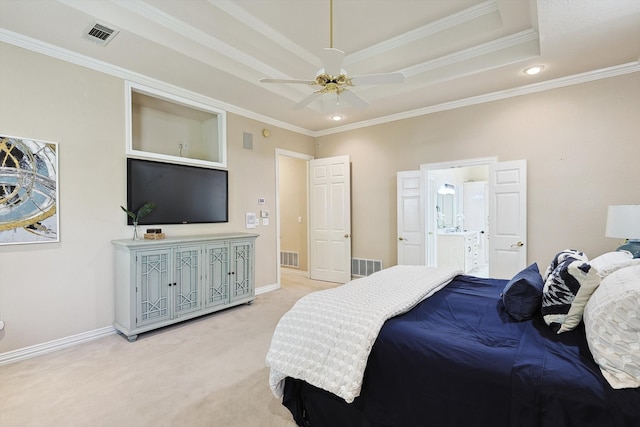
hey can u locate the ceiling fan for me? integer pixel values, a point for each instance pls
(334, 79)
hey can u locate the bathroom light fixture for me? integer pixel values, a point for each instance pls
(623, 222)
(447, 189)
(336, 117)
(533, 70)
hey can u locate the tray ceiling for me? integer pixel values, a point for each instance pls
(449, 51)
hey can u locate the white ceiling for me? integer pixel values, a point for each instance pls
(451, 51)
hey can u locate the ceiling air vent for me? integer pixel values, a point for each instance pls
(99, 33)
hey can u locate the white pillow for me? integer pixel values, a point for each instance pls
(612, 326)
(609, 262)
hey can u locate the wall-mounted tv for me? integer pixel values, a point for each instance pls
(183, 194)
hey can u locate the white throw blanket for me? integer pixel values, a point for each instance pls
(326, 337)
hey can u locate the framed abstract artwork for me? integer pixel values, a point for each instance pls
(28, 191)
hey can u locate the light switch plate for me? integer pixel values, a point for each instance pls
(251, 221)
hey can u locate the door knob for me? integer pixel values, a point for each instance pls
(346, 236)
(401, 238)
(517, 244)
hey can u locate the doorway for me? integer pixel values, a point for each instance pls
(292, 242)
(461, 218)
(507, 211)
(320, 217)
(449, 221)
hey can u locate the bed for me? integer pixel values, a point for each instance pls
(454, 356)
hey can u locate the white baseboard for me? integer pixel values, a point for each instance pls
(40, 349)
(267, 288)
(48, 347)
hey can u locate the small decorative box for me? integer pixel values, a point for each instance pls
(154, 236)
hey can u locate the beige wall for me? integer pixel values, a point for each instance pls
(581, 143)
(53, 291)
(293, 206)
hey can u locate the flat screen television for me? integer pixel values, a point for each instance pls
(183, 194)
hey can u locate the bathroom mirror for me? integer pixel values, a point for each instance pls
(446, 210)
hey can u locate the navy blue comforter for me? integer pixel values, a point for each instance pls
(458, 359)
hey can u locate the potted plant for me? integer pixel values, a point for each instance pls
(143, 211)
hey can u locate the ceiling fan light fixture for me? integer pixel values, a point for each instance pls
(533, 70)
(333, 79)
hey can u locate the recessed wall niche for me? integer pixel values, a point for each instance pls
(174, 128)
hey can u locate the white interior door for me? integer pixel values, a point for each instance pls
(507, 218)
(410, 220)
(330, 219)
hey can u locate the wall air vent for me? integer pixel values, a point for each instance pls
(364, 267)
(289, 259)
(99, 33)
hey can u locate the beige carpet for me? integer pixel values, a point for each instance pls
(206, 372)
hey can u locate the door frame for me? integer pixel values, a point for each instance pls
(306, 157)
(429, 193)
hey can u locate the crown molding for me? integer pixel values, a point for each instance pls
(47, 49)
(185, 30)
(240, 14)
(427, 30)
(605, 73)
(38, 46)
(517, 39)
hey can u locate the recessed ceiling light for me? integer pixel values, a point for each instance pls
(336, 117)
(533, 70)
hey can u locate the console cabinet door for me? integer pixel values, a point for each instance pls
(185, 289)
(159, 283)
(241, 269)
(153, 275)
(216, 282)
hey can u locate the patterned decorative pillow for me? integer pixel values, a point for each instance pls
(522, 296)
(566, 292)
(609, 262)
(612, 326)
(561, 256)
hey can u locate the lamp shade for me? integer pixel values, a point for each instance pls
(623, 222)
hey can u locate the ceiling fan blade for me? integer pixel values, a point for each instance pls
(377, 79)
(307, 82)
(308, 100)
(332, 59)
(353, 99)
